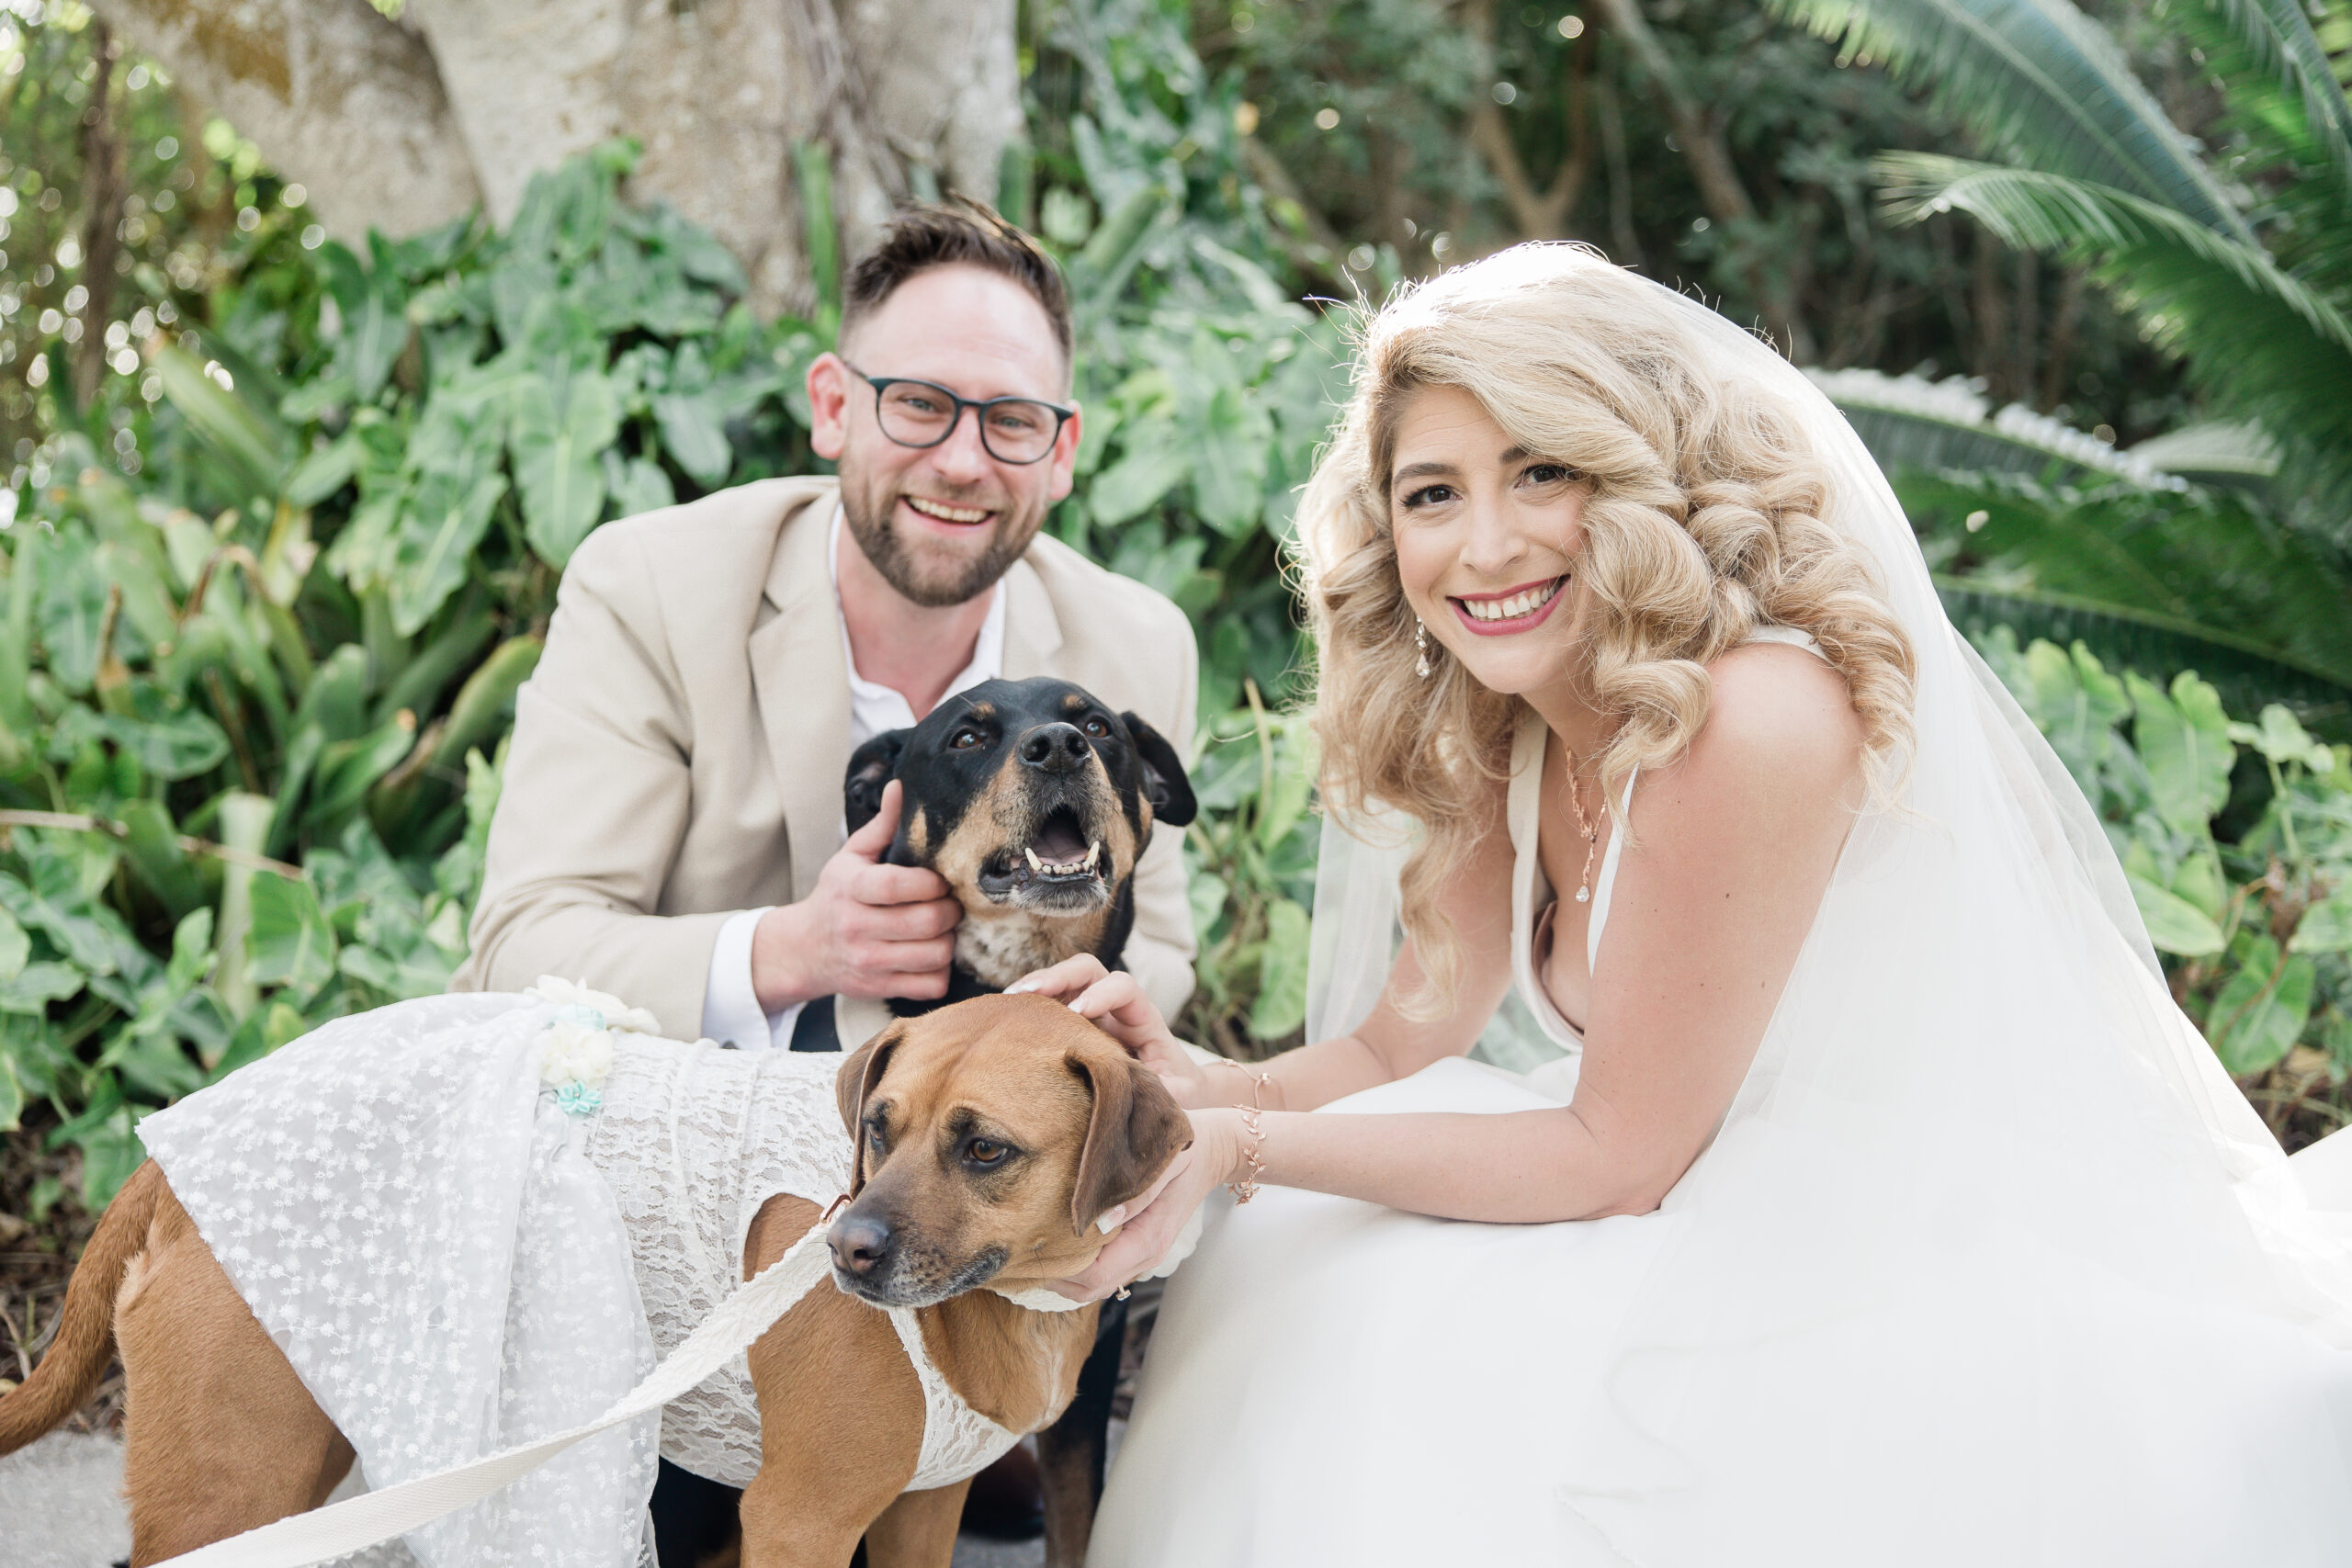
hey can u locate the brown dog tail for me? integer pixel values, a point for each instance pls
(77, 1357)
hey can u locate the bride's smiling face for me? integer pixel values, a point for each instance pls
(1488, 536)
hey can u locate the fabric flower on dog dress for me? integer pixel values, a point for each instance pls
(578, 1051)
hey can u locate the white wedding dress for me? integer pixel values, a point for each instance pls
(1988, 1263)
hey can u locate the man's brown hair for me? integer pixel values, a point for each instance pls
(946, 233)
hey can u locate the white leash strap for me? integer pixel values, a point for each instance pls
(301, 1540)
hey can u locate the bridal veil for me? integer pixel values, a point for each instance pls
(1988, 1249)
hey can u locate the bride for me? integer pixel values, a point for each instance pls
(1882, 1210)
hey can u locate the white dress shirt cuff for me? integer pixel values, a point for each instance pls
(731, 1008)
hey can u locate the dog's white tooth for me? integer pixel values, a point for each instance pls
(1093, 851)
(1035, 864)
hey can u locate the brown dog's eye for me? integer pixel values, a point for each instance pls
(984, 1151)
(1097, 728)
(963, 740)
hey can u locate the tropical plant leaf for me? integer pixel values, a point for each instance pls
(2042, 80)
(445, 519)
(2326, 926)
(2278, 34)
(290, 943)
(2261, 1012)
(2263, 344)
(557, 434)
(2175, 925)
(2183, 739)
(1282, 973)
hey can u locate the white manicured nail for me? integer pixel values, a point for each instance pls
(1110, 1219)
(1018, 986)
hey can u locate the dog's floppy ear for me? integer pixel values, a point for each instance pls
(856, 1079)
(871, 766)
(1136, 1129)
(1164, 784)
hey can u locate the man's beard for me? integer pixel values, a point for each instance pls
(934, 584)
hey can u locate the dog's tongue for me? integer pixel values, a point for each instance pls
(1058, 839)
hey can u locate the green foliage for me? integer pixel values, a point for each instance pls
(2239, 258)
(2237, 839)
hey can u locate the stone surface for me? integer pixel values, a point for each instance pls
(60, 1499)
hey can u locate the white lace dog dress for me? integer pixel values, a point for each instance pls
(471, 1221)
(692, 1139)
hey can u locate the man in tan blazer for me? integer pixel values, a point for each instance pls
(670, 829)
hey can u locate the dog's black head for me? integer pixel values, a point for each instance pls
(1033, 800)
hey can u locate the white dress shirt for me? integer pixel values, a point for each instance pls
(730, 1007)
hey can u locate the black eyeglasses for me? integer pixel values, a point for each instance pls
(924, 413)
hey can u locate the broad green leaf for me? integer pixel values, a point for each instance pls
(71, 609)
(290, 943)
(2175, 925)
(263, 1032)
(1282, 973)
(12, 1093)
(2254, 1021)
(1208, 894)
(1230, 472)
(34, 987)
(696, 434)
(2184, 740)
(446, 518)
(557, 438)
(324, 470)
(2326, 926)
(1154, 458)
(15, 947)
(637, 486)
(170, 738)
(111, 1153)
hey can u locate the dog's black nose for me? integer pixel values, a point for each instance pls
(860, 1242)
(1056, 748)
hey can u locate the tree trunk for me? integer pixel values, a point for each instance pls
(337, 96)
(464, 101)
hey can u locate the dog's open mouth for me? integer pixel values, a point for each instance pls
(1061, 868)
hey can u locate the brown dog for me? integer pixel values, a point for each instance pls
(990, 1137)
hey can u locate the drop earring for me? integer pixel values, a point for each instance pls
(1421, 665)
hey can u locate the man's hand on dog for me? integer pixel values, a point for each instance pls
(869, 930)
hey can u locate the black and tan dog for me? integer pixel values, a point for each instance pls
(991, 1136)
(1033, 800)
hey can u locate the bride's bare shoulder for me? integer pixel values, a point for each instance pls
(1779, 719)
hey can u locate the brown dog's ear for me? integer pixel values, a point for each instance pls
(852, 1084)
(1136, 1130)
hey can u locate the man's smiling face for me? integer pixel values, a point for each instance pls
(941, 523)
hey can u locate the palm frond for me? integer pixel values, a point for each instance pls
(2044, 82)
(2279, 35)
(2123, 638)
(2233, 456)
(2263, 345)
(2193, 556)
(1911, 422)
(2034, 210)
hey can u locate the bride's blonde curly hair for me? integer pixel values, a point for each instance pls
(1703, 522)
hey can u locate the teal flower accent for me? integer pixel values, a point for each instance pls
(576, 1099)
(586, 1016)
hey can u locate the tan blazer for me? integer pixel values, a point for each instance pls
(678, 753)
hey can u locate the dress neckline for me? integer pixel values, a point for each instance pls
(1535, 901)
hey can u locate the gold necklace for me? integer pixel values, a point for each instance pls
(1584, 826)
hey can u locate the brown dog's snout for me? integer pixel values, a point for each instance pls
(860, 1244)
(1055, 749)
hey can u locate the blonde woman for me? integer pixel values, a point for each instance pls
(1882, 1210)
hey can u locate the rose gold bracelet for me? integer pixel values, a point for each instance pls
(1247, 1188)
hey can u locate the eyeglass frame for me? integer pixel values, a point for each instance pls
(881, 384)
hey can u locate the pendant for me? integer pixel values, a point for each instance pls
(1584, 895)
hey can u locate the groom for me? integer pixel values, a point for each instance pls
(671, 825)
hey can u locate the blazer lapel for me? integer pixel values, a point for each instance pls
(802, 680)
(1032, 633)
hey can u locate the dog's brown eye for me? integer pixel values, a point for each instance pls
(983, 1151)
(963, 740)
(1097, 728)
